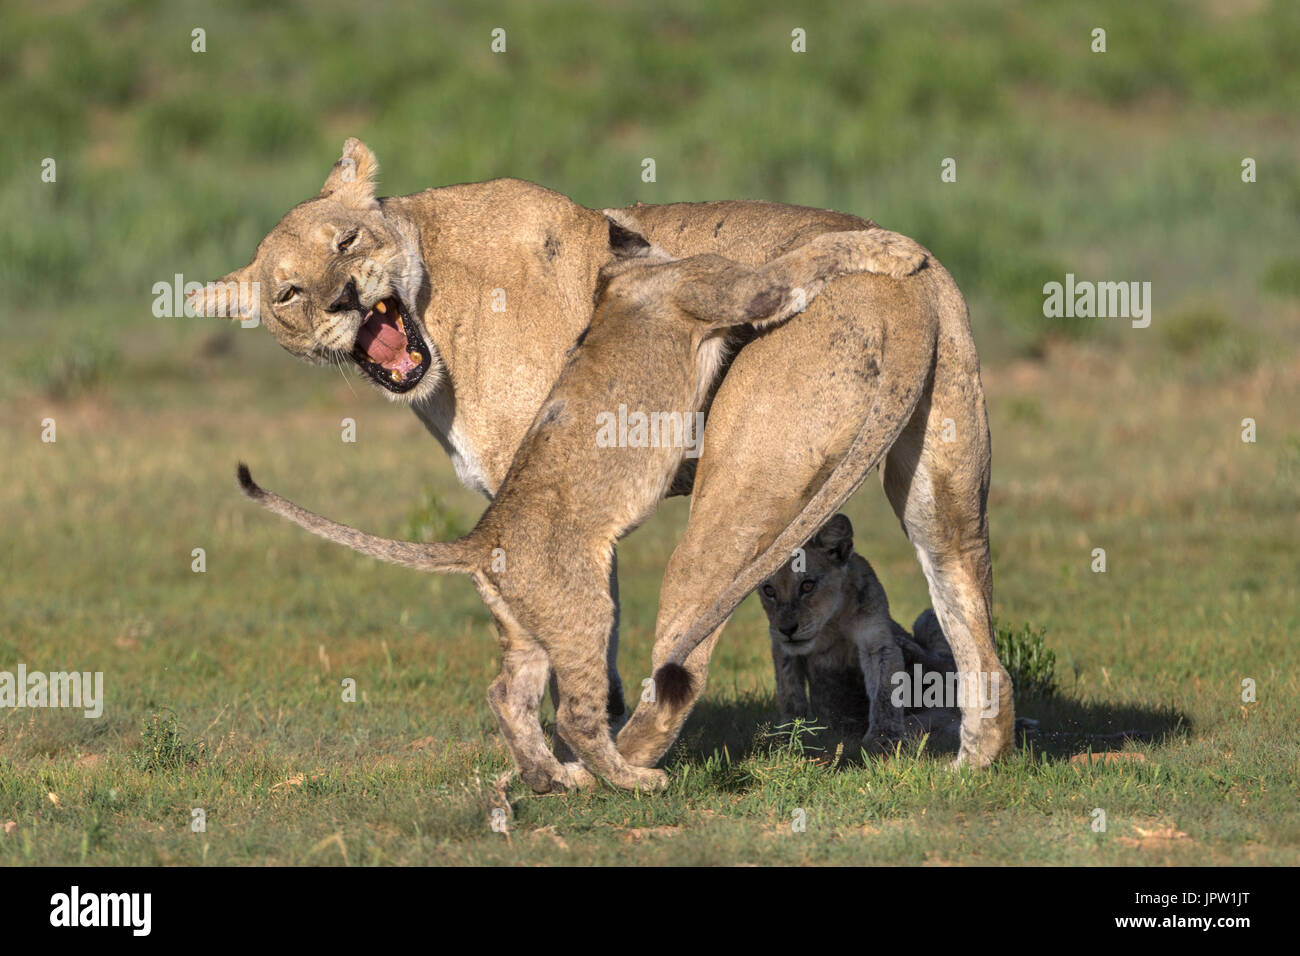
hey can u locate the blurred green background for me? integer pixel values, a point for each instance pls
(1120, 165)
(1117, 166)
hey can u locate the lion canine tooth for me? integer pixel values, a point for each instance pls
(395, 375)
(416, 357)
(380, 307)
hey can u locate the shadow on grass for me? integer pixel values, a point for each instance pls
(746, 726)
(1067, 727)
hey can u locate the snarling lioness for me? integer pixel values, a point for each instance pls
(464, 301)
(540, 555)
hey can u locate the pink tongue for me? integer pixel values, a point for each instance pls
(380, 340)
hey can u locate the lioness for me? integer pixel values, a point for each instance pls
(493, 282)
(540, 555)
(835, 649)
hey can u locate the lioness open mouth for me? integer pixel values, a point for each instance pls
(389, 347)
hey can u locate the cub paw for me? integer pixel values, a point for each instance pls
(574, 776)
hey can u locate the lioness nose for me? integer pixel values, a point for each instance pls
(790, 629)
(346, 300)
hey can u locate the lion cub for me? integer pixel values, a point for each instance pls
(540, 555)
(835, 648)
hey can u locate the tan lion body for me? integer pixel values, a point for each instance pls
(541, 553)
(869, 374)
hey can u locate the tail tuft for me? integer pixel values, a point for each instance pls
(247, 484)
(674, 685)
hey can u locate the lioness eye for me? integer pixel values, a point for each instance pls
(769, 590)
(346, 242)
(286, 295)
(807, 586)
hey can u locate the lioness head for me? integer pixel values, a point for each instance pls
(805, 594)
(338, 279)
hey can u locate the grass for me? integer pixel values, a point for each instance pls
(225, 689)
(174, 161)
(163, 747)
(1030, 663)
(250, 656)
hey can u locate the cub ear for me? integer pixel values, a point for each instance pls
(230, 297)
(836, 537)
(352, 180)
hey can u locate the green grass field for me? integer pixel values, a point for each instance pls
(224, 687)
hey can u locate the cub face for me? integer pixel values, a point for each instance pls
(338, 280)
(799, 604)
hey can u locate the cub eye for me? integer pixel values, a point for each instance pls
(769, 590)
(286, 295)
(807, 587)
(345, 243)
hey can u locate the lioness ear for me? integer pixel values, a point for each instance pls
(352, 180)
(630, 249)
(230, 297)
(836, 536)
(626, 241)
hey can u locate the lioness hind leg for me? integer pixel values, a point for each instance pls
(655, 723)
(939, 490)
(742, 498)
(726, 532)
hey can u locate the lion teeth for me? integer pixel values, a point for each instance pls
(400, 327)
(381, 308)
(416, 357)
(395, 375)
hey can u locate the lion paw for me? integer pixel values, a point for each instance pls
(652, 780)
(574, 776)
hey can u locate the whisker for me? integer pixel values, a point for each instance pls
(338, 360)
